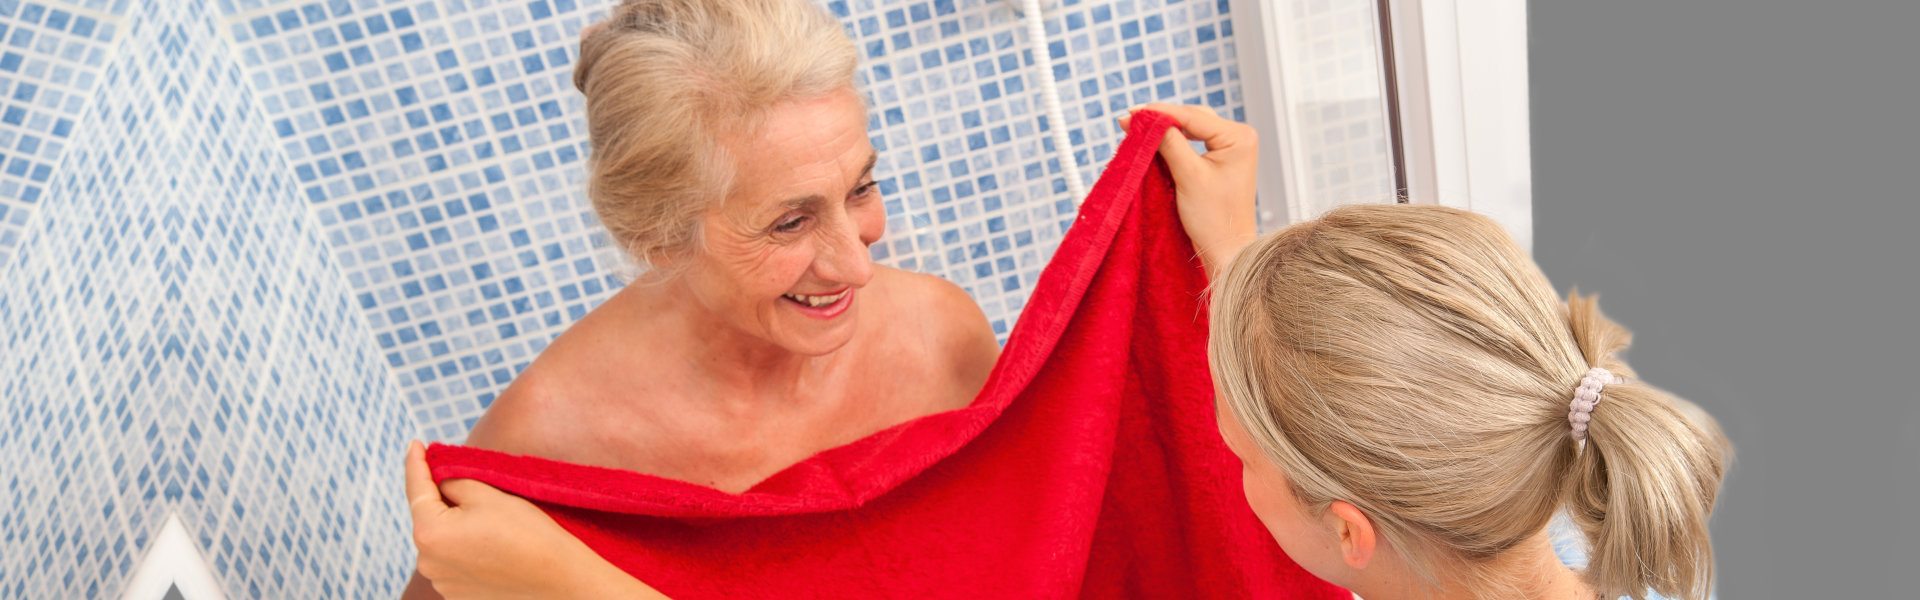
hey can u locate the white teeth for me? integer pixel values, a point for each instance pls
(818, 301)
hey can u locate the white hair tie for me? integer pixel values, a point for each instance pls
(1585, 398)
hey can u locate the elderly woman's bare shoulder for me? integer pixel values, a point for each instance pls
(949, 327)
(543, 408)
(530, 417)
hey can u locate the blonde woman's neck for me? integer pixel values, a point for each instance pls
(1531, 570)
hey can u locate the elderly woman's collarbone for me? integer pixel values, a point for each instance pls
(610, 398)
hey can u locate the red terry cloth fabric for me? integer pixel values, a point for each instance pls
(1089, 466)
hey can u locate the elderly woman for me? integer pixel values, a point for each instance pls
(731, 158)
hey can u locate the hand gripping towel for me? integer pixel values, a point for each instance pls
(1089, 466)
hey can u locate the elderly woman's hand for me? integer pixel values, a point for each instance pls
(476, 541)
(1215, 190)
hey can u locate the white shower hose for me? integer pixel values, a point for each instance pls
(1050, 90)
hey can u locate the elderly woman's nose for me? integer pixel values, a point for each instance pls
(843, 256)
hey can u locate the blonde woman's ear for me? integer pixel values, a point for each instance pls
(1357, 536)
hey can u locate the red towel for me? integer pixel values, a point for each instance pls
(1089, 465)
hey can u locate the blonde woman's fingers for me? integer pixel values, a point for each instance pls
(1202, 124)
(1179, 154)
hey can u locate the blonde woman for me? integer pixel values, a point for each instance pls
(1413, 404)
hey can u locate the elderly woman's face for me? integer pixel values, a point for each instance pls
(785, 255)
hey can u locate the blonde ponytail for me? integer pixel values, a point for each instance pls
(1646, 479)
(1413, 361)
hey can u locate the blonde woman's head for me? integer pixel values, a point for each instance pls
(672, 84)
(1409, 365)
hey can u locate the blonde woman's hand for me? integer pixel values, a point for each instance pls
(477, 542)
(1215, 190)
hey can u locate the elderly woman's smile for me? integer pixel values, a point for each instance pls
(782, 259)
(823, 303)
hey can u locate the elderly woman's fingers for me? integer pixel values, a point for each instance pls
(423, 499)
(468, 492)
(491, 544)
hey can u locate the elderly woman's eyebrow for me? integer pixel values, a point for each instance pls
(801, 201)
(872, 159)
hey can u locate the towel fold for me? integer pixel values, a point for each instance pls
(1089, 466)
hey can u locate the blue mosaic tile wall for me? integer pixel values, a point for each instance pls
(440, 145)
(972, 180)
(78, 319)
(248, 248)
(51, 57)
(179, 340)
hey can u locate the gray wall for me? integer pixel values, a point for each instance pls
(1736, 177)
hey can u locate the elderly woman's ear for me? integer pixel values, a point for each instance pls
(664, 261)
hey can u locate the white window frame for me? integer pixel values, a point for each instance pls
(173, 561)
(1461, 85)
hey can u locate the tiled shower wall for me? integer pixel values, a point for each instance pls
(248, 249)
(178, 336)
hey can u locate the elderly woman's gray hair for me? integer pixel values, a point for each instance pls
(670, 82)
